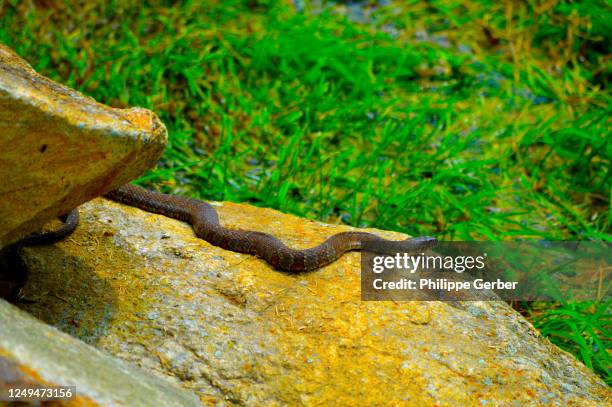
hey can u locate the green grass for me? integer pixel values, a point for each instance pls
(459, 119)
(582, 328)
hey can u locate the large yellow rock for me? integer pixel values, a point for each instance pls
(142, 287)
(59, 148)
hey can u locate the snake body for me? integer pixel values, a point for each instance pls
(71, 220)
(205, 222)
(13, 270)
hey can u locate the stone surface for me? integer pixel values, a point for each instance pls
(59, 148)
(33, 353)
(142, 287)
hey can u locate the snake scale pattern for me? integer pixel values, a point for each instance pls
(205, 222)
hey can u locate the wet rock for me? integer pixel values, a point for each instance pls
(59, 148)
(35, 355)
(143, 288)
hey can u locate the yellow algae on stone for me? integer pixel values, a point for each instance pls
(229, 327)
(59, 148)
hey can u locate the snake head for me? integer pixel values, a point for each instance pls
(422, 243)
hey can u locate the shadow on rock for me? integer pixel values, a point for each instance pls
(64, 291)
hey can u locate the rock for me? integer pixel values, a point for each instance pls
(34, 354)
(142, 287)
(59, 148)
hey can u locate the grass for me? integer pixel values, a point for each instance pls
(462, 119)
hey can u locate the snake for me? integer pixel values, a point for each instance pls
(204, 220)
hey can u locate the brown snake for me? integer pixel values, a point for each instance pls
(205, 222)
